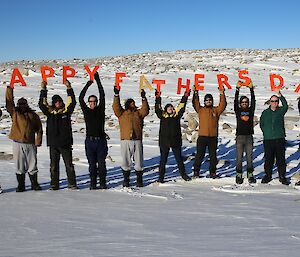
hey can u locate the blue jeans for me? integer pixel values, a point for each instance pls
(96, 152)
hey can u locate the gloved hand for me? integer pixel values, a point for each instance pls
(195, 90)
(250, 85)
(90, 82)
(96, 76)
(157, 93)
(44, 84)
(143, 93)
(116, 90)
(238, 84)
(68, 84)
(187, 93)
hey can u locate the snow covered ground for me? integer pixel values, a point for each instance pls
(203, 217)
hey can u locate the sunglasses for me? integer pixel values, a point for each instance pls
(274, 101)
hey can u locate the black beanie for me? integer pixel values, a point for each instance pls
(56, 98)
(167, 106)
(128, 102)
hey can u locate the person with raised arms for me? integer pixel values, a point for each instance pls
(131, 120)
(59, 133)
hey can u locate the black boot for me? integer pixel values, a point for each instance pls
(250, 176)
(93, 182)
(103, 182)
(161, 174)
(282, 178)
(196, 174)
(21, 182)
(239, 177)
(34, 182)
(126, 182)
(139, 178)
(266, 179)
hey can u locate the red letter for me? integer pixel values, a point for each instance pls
(65, 73)
(276, 76)
(118, 80)
(16, 73)
(43, 72)
(297, 89)
(241, 76)
(91, 73)
(187, 86)
(199, 79)
(223, 79)
(158, 83)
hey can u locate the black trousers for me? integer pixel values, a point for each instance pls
(275, 148)
(66, 153)
(164, 153)
(202, 143)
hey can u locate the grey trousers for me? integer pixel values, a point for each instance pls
(132, 151)
(25, 158)
(244, 143)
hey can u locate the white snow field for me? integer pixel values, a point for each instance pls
(204, 217)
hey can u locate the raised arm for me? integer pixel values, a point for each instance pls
(144, 111)
(283, 109)
(236, 97)
(117, 108)
(43, 103)
(195, 101)
(101, 92)
(71, 102)
(10, 105)
(181, 107)
(158, 109)
(82, 95)
(222, 104)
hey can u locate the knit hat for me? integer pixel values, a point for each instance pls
(56, 98)
(167, 106)
(209, 96)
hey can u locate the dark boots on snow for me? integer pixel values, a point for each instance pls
(266, 179)
(34, 182)
(239, 177)
(126, 175)
(250, 176)
(21, 182)
(139, 178)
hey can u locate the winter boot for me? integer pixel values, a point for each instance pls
(239, 177)
(213, 175)
(126, 175)
(282, 172)
(196, 174)
(34, 183)
(103, 182)
(21, 182)
(93, 182)
(161, 175)
(139, 178)
(250, 176)
(266, 179)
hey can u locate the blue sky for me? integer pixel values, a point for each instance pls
(47, 29)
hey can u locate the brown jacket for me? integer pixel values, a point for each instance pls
(26, 127)
(209, 116)
(131, 122)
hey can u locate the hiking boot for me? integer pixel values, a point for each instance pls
(239, 178)
(34, 183)
(185, 177)
(126, 182)
(21, 183)
(284, 181)
(196, 174)
(139, 179)
(266, 179)
(251, 178)
(213, 175)
(54, 188)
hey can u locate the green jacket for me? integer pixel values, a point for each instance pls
(272, 122)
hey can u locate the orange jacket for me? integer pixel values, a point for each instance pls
(131, 122)
(209, 116)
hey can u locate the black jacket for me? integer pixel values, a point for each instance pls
(170, 130)
(244, 118)
(94, 119)
(59, 129)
